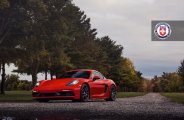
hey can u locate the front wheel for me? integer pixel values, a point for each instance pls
(84, 93)
(113, 93)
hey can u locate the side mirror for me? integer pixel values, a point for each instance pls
(96, 77)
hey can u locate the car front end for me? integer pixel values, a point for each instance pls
(57, 89)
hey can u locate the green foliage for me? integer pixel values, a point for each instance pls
(130, 79)
(13, 83)
(175, 97)
(129, 94)
(4, 4)
(55, 36)
(181, 72)
(147, 85)
(120, 69)
(168, 82)
(112, 56)
(9, 35)
(44, 37)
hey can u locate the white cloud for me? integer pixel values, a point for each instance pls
(129, 23)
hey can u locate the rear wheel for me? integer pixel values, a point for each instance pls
(113, 93)
(84, 93)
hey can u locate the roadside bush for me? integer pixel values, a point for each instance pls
(13, 83)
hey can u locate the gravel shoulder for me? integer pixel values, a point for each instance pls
(150, 106)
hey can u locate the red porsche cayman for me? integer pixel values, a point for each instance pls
(76, 85)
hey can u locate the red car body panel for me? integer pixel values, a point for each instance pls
(48, 89)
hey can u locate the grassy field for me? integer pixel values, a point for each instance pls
(175, 97)
(16, 96)
(25, 96)
(129, 94)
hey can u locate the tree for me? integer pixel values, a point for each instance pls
(9, 32)
(147, 85)
(112, 53)
(45, 28)
(181, 71)
(4, 4)
(83, 50)
(131, 80)
(155, 84)
(56, 36)
(34, 13)
(168, 82)
(4, 31)
(11, 82)
(7, 55)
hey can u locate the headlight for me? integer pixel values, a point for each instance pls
(74, 82)
(37, 84)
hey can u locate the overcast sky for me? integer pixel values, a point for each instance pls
(129, 23)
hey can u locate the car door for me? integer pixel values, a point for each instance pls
(98, 86)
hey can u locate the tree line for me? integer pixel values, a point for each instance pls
(52, 36)
(167, 82)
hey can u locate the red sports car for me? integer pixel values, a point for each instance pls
(76, 85)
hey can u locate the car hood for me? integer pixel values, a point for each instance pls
(55, 84)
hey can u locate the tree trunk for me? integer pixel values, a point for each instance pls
(45, 74)
(34, 79)
(35, 67)
(3, 77)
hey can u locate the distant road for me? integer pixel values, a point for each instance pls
(152, 106)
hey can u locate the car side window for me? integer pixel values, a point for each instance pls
(95, 73)
(101, 76)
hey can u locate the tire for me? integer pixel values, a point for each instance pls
(43, 100)
(113, 93)
(84, 93)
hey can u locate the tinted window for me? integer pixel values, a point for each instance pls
(76, 74)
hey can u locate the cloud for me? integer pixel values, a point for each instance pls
(129, 23)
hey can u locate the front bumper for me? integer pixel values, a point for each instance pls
(56, 94)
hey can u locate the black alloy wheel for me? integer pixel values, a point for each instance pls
(84, 93)
(113, 93)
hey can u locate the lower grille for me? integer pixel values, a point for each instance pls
(67, 93)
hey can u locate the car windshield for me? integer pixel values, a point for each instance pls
(76, 74)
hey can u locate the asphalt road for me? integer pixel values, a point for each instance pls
(152, 106)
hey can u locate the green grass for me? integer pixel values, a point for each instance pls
(129, 94)
(16, 96)
(25, 96)
(175, 97)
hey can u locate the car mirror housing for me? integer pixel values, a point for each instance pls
(96, 77)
